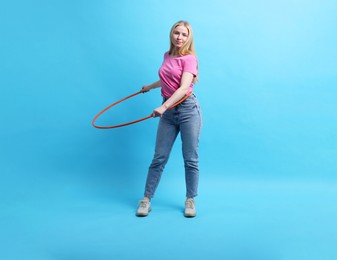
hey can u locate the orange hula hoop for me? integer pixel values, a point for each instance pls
(131, 122)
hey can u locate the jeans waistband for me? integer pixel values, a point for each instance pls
(192, 94)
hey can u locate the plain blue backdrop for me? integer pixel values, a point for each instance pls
(268, 91)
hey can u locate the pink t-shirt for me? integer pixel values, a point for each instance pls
(171, 71)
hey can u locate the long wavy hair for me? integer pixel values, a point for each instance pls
(188, 46)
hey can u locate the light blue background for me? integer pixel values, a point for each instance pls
(268, 78)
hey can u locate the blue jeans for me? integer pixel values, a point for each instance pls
(186, 119)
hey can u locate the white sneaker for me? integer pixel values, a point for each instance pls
(190, 210)
(144, 208)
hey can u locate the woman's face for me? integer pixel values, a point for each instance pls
(179, 36)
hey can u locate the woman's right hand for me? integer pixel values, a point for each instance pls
(145, 88)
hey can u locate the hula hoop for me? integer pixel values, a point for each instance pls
(131, 122)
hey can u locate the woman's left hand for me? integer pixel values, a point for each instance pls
(159, 111)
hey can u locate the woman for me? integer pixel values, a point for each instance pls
(177, 74)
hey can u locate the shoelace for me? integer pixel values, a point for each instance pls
(144, 203)
(189, 204)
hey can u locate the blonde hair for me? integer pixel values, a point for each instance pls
(188, 46)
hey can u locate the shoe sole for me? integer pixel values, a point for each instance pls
(190, 215)
(143, 215)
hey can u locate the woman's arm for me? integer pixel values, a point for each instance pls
(185, 83)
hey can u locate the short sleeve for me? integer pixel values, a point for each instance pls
(190, 64)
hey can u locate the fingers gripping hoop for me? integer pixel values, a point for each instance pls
(131, 122)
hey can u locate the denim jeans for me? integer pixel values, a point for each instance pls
(185, 118)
